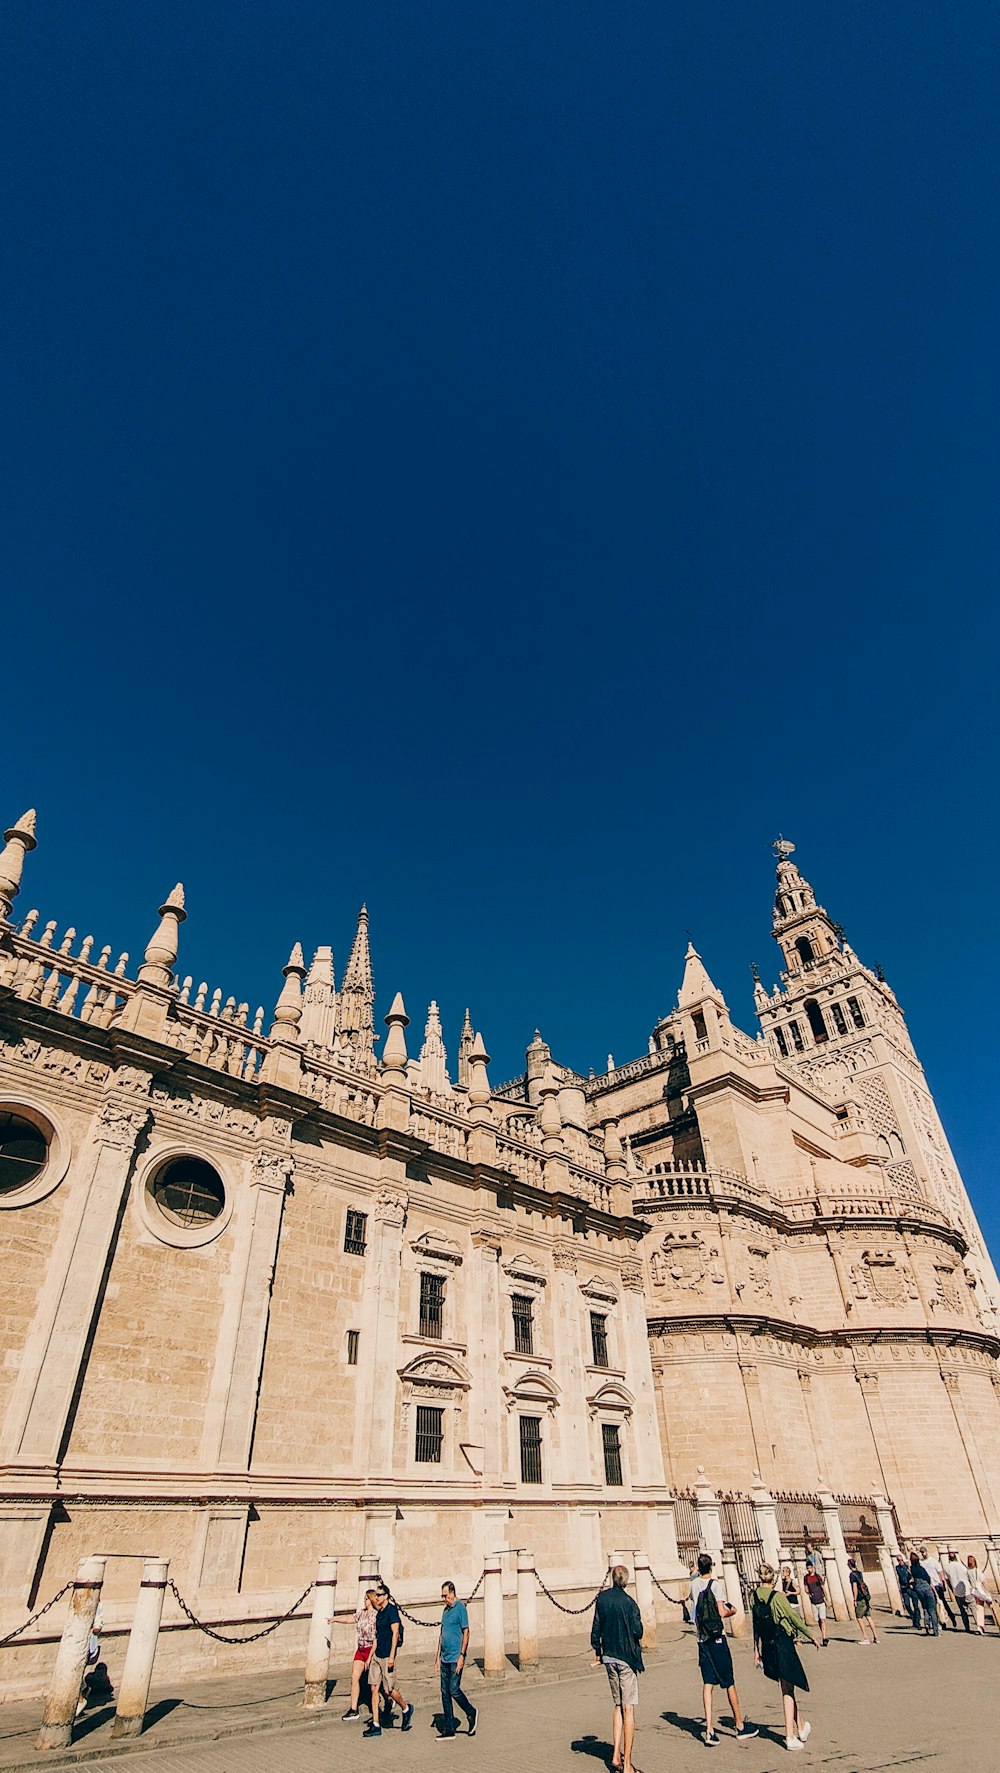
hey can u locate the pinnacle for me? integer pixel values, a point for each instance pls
(297, 959)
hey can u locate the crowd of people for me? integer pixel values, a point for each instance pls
(927, 1584)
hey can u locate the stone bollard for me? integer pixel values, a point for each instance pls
(320, 1631)
(838, 1575)
(133, 1689)
(527, 1612)
(71, 1657)
(494, 1653)
(645, 1600)
(734, 1594)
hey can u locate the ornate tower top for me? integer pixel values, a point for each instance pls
(356, 1003)
(433, 1057)
(802, 929)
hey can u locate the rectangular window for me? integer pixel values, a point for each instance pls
(524, 1329)
(531, 1449)
(432, 1306)
(353, 1338)
(779, 1035)
(599, 1338)
(354, 1233)
(796, 1034)
(856, 1013)
(839, 1019)
(430, 1434)
(612, 1453)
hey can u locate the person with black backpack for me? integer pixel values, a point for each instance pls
(775, 1629)
(862, 1598)
(709, 1611)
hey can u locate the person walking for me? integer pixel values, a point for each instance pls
(382, 1663)
(957, 1577)
(923, 1588)
(364, 1625)
(775, 1629)
(817, 1597)
(935, 1570)
(789, 1586)
(453, 1647)
(906, 1591)
(709, 1610)
(862, 1598)
(616, 1637)
(981, 1598)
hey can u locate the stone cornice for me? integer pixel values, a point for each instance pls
(810, 1336)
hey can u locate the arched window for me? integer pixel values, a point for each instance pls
(816, 1022)
(804, 949)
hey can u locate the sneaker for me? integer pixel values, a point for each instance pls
(372, 1730)
(710, 1738)
(805, 1731)
(474, 1721)
(349, 1716)
(794, 1742)
(447, 1735)
(407, 1717)
(747, 1731)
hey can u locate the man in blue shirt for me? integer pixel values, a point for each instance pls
(453, 1646)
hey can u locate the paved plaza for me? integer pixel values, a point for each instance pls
(911, 1703)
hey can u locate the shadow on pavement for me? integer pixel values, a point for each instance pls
(592, 1745)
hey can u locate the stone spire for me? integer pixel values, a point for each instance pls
(433, 1058)
(537, 1056)
(288, 1009)
(17, 843)
(464, 1049)
(479, 1084)
(319, 1000)
(355, 1019)
(696, 986)
(158, 961)
(549, 1117)
(397, 1021)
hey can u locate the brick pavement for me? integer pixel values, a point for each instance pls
(912, 1703)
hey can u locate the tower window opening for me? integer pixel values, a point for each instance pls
(805, 950)
(816, 1022)
(857, 1014)
(524, 1328)
(796, 1034)
(779, 1035)
(700, 1030)
(839, 1019)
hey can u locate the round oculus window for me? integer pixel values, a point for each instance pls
(23, 1151)
(188, 1192)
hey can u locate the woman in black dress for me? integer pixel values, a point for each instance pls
(775, 1629)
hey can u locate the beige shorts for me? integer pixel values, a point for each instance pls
(380, 1674)
(624, 1683)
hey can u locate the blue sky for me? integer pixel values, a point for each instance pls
(506, 462)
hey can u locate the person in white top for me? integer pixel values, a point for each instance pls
(958, 1581)
(935, 1571)
(981, 1597)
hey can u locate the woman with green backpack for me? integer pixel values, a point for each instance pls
(775, 1629)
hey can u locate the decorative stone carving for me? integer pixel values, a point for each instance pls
(121, 1121)
(390, 1207)
(948, 1289)
(525, 1270)
(437, 1247)
(564, 1258)
(880, 1278)
(631, 1273)
(684, 1262)
(272, 1169)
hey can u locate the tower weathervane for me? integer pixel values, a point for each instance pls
(782, 848)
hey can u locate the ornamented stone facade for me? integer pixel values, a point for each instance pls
(268, 1296)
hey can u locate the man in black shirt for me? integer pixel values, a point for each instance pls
(616, 1635)
(383, 1661)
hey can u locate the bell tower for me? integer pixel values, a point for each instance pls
(838, 1025)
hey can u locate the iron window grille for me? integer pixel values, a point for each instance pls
(430, 1434)
(353, 1339)
(839, 1019)
(599, 1338)
(355, 1242)
(524, 1328)
(432, 1306)
(531, 1449)
(612, 1453)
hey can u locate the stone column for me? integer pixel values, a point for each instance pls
(368, 1576)
(527, 1612)
(494, 1651)
(706, 1507)
(39, 1413)
(838, 1575)
(380, 1331)
(576, 1450)
(647, 1468)
(591, 1566)
(380, 1537)
(888, 1551)
(133, 1689)
(320, 1632)
(799, 1566)
(970, 1447)
(734, 1595)
(766, 1518)
(232, 1406)
(878, 1428)
(644, 1594)
(71, 1656)
(486, 1351)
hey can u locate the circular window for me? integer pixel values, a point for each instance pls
(188, 1192)
(23, 1152)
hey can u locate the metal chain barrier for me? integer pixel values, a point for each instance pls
(432, 1624)
(549, 1596)
(254, 1636)
(667, 1597)
(16, 1633)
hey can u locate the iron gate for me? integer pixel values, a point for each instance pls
(741, 1537)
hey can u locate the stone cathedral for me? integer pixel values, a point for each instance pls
(274, 1287)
